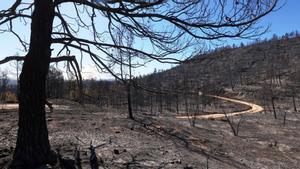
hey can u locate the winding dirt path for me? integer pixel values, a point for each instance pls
(254, 108)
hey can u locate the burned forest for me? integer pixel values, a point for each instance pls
(113, 84)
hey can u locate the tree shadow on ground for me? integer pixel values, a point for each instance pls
(182, 138)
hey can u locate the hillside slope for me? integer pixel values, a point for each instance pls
(267, 63)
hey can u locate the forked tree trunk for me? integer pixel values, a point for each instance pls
(32, 147)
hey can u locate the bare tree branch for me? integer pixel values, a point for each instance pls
(71, 59)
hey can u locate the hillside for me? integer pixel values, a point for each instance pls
(248, 69)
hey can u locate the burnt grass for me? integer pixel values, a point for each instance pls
(162, 141)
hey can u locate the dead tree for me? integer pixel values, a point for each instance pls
(293, 85)
(3, 86)
(65, 163)
(77, 158)
(94, 162)
(235, 128)
(17, 65)
(93, 158)
(123, 37)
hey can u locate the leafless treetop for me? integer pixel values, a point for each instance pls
(159, 27)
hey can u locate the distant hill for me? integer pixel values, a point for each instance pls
(270, 62)
(12, 82)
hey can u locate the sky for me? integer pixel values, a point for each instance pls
(284, 20)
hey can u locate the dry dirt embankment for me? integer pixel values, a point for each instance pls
(254, 108)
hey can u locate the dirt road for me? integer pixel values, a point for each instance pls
(254, 108)
(9, 106)
(14, 106)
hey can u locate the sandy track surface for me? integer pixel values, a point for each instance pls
(14, 106)
(254, 108)
(9, 106)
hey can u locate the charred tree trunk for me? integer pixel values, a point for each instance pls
(129, 90)
(130, 114)
(160, 103)
(273, 106)
(294, 103)
(177, 104)
(151, 104)
(32, 147)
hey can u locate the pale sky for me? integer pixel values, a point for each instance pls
(282, 21)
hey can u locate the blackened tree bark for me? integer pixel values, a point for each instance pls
(273, 106)
(294, 103)
(177, 103)
(33, 148)
(129, 84)
(130, 114)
